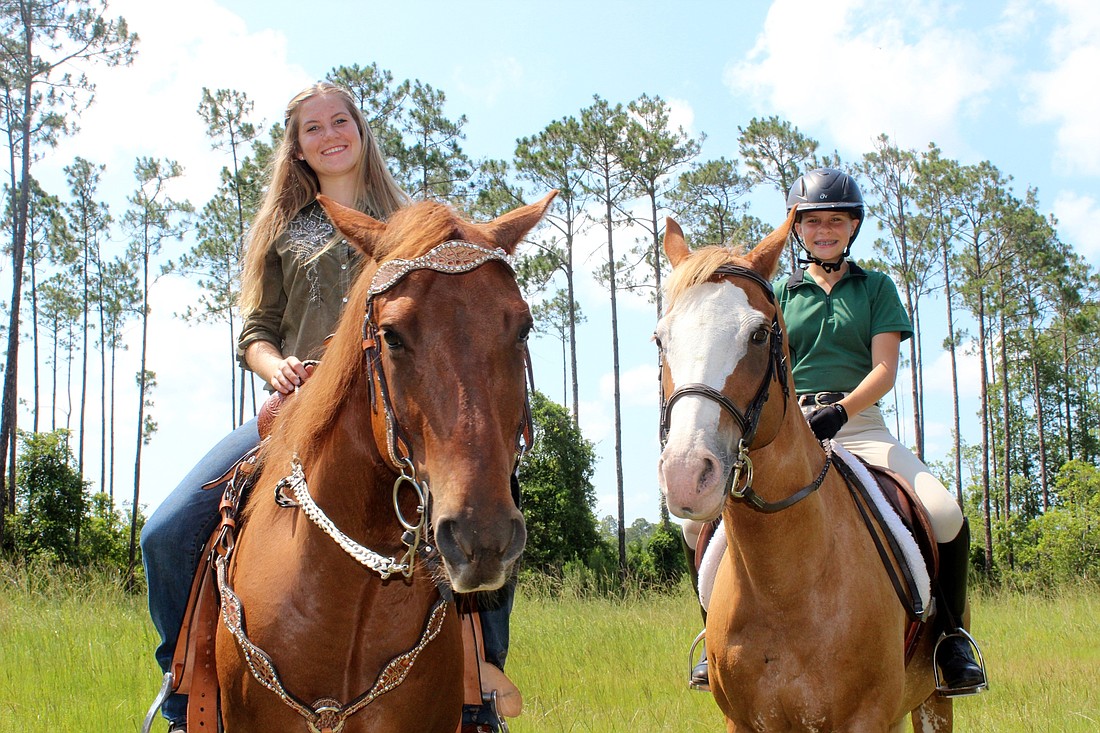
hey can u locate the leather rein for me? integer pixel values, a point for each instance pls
(749, 419)
(329, 715)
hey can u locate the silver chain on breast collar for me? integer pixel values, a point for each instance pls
(293, 491)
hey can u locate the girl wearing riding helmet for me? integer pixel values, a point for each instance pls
(845, 326)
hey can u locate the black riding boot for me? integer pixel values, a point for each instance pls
(960, 672)
(700, 674)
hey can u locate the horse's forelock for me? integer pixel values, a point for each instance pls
(699, 267)
(414, 230)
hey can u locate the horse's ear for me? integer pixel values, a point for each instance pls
(507, 230)
(676, 248)
(764, 257)
(360, 229)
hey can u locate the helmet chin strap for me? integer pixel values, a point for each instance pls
(826, 266)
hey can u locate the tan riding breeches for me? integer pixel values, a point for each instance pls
(867, 436)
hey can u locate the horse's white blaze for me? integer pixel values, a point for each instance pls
(704, 337)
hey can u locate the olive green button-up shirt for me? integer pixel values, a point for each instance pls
(302, 295)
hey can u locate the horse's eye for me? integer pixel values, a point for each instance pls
(657, 340)
(392, 339)
(760, 336)
(524, 334)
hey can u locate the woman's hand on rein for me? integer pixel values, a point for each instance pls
(290, 373)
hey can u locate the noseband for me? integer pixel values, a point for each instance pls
(749, 420)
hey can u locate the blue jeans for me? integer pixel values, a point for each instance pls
(171, 547)
(495, 609)
(172, 542)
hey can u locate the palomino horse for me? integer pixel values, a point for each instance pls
(804, 630)
(403, 441)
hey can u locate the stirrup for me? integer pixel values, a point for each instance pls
(165, 692)
(489, 700)
(692, 684)
(941, 686)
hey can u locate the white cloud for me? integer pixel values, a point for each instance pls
(150, 107)
(968, 366)
(860, 68)
(488, 82)
(1065, 94)
(1077, 215)
(638, 386)
(681, 115)
(597, 424)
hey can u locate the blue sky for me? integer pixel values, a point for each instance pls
(1010, 82)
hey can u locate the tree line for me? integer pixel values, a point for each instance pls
(962, 244)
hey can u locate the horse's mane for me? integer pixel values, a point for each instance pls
(699, 267)
(410, 232)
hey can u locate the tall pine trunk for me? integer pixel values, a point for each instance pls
(131, 567)
(18, 248)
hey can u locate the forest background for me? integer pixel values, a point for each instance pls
(967, 125)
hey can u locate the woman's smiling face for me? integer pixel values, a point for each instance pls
(328, 138)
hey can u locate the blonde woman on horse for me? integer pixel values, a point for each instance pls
(295, 277)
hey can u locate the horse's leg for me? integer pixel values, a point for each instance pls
(934, 715)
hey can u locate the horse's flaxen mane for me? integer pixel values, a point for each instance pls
(410, 232)
(699, 267)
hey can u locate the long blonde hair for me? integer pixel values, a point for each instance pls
(294, 185)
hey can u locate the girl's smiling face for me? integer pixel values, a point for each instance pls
(328, 138)
(826, 233)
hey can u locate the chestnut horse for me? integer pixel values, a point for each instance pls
(395, 457)
(804, 630)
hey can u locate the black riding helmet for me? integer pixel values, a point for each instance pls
(826, 189)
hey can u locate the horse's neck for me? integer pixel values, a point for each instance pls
(778, 551)
(347, 478)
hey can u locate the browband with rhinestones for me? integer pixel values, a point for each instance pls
(452, 257)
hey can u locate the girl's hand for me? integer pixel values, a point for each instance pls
(827, 421)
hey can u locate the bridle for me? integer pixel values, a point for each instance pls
(450, 257)
(749, 419)
(453, 257)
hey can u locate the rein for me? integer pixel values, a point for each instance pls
(328, 715)
(749, 420)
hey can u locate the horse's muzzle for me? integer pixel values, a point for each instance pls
(480, 555)
(693, 481)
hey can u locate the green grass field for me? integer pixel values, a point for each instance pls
(76, 656)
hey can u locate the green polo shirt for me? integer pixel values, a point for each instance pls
(830, 334)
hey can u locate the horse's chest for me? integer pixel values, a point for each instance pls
(773, 690)
(767, 685)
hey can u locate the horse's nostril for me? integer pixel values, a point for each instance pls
(518, 541)
(450, 542)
